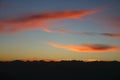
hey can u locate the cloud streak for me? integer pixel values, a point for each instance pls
(38, 21)
(65, 31)
(117, 36)
(87, 47)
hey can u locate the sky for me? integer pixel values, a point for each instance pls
(60, 30)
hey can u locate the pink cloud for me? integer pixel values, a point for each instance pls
(38, 21)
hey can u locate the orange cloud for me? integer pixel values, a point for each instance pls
(88, 47)
(37, 21)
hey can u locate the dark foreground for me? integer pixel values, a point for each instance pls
(65, 70)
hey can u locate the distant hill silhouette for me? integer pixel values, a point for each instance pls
(64, 70)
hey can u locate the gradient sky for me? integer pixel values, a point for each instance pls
(60, 29)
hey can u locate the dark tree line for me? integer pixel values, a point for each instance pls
(64, 70)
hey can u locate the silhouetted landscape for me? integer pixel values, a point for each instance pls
(64, 70)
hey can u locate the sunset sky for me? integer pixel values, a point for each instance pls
(60, 30)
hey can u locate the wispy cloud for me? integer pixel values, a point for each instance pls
(87, 47)
(111, 35)
(37, 21)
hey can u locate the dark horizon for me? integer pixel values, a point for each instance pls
(48, 60)
(65, 70)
